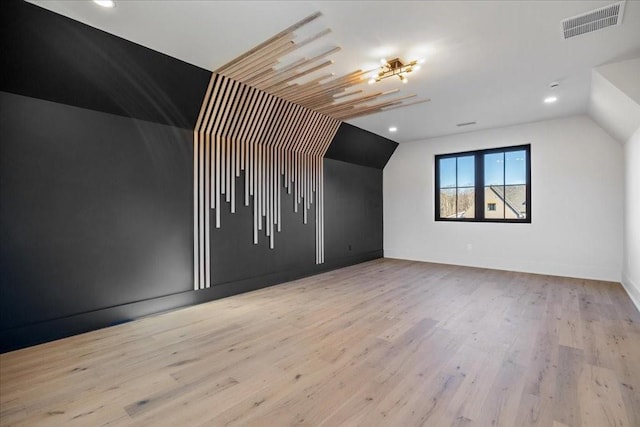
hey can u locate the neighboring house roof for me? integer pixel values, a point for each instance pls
(515, 198)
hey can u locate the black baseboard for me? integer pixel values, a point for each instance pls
(41, 332)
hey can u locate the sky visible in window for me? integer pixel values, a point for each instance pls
(511, 164)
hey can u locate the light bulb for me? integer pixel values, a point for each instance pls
(550, 100)
(372, 81)
(405, 80)
(105, 3)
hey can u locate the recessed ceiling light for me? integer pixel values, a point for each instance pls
(550, 99)
(393, 129)
(105, 3)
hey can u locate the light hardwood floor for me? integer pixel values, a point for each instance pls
(388, 342)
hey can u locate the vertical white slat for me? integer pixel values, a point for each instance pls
(279, 195)
(305, 179)
(201, 178)
(235, 115)
(307, 142)
(320, 211)
(317, 224)
(220, 118)
(256, 198)
(207, 211)
(271, 193)
(276, 147)
(264, 143)
(197, 207)
(211, 115)
(290, 143)
(196, 212)
(230, 103)
(258, 190)
(255, 106)
(250, 144)
(212, 130)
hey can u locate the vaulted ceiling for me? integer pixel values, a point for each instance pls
(485, 62)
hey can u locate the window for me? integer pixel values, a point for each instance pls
(484, 186)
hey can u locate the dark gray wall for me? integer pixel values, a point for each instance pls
(95, 210)
(353, 210)
(96, 217)
(96, 204)
(354, 145)
(52, 57)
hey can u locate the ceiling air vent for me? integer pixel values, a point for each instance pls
(594, 20)
(466, 124)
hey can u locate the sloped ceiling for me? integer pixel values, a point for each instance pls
(488, 62)
(614, 101)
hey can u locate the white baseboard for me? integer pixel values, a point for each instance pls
(632, 290)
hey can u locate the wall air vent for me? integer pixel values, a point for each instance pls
(593, 21)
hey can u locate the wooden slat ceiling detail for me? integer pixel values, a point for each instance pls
(277, 144)
(259, 68)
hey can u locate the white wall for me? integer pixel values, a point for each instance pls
(577, 204)
(631, 271)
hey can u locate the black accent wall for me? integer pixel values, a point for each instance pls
(354, 145)
(52, 57)
(96, 178)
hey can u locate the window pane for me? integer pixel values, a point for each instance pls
(448, 172)
(466, 203)
(502, 185)
(516, 196)
(515, 167)
(448, 203)
(494, 169)
(494, 202)
(466, 171)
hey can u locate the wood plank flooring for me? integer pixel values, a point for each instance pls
(384, 343)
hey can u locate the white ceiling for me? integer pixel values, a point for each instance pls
(489, 62)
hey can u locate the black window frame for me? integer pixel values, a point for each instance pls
(479, 184)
